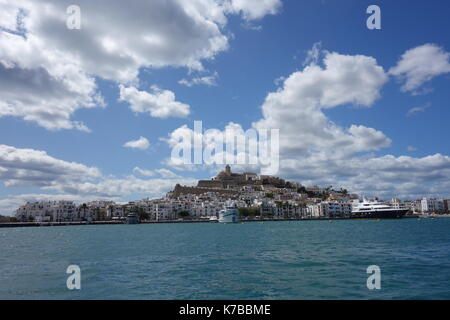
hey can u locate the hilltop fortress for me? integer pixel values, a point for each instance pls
(227, 182)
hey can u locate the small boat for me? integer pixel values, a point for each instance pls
(132, 218)
(230, 214)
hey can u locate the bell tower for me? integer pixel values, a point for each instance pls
(228, 170)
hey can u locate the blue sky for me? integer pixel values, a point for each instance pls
(257, 44)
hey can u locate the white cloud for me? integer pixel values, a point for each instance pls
(421, 64)
(47, 72)
(159, 103)
(73, 181)
(254, 9)
(142, 144)
(43, 86)
(206, 80)
(314, 150)
(279, 81)
(296, 108)
(9, 16)
(411, 148)
(105, 188)
(143, 172)
(165, 173)
(127, 36)
(419, 109)
(313, 55)
(34, 168)
(119, 188)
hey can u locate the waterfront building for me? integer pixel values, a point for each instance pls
(115, 211)
(314, 211)
(273, 197)
(447, 205)
(397, 204)
(337, 209)
(431, 205)
(44, 211)
(415, 206)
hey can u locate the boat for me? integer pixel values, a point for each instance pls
(229, 214)
(132, 218)
(377, 210)
(213, 219)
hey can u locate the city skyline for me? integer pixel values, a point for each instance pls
(92, 113)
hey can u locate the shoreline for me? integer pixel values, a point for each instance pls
(84, 223)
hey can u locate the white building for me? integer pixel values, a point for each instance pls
(330, 209)
(42, 211)
(337, 209)
(431, 205)
(116, 211)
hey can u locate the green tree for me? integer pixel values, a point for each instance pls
(184, 214)
(143, 215)
(244, 212)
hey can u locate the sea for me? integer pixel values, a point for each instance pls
(287, 260)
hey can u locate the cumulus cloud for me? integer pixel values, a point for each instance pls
(34, 168)
(158, 103)
(253, 9)
(48, 72)
(297, 108)
(385, 176)
(142, 144)
(127, 36)
(314, 150)
(216, 149)
(45, 88)
(73, 181)
(120, 188)
(317, 151)
(421, 64)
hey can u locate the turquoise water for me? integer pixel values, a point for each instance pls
(272, 260)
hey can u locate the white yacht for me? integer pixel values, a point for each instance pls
(230, 214)
(377, 210)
